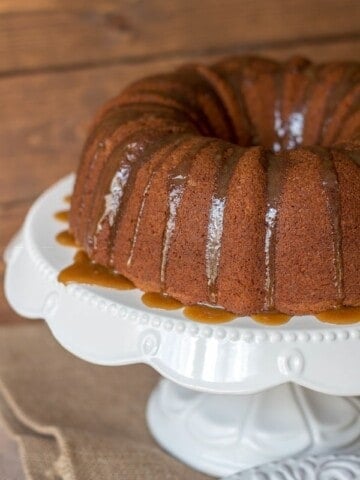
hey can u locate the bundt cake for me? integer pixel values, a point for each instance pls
(235, 185)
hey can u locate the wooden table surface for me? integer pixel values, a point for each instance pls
(60, 59)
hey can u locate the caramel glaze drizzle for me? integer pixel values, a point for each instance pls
(205, 314)
(274, 170)
(271, 318)
(225, 172)
(62, 216)
(66, 238)
(84, 270)
(341, 316)
(159, 300)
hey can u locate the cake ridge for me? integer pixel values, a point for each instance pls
(347, 116)
(175, 188)
(344, 87)
(174, 101)
(227, 164)
(118, 137)
(223, 129)
(355, 156)
(313, 71)
(330, 183)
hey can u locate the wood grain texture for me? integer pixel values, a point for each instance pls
(51, 36)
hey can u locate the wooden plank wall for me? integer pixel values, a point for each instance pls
(61, 59)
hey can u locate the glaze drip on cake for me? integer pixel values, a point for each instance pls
(162, 157)
(274, 171)
(235, 184)
(175, 189)
(227, 163)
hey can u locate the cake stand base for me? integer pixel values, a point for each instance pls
(222, 434)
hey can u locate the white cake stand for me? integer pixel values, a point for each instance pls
(233, 395)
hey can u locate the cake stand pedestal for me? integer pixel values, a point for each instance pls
(233, 395)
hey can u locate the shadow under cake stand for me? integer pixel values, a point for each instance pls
(233, 395)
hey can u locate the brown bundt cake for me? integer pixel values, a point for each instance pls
(235, 185)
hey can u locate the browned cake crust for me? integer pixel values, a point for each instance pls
(235, 185)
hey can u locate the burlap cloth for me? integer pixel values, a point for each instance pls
(76, 421)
